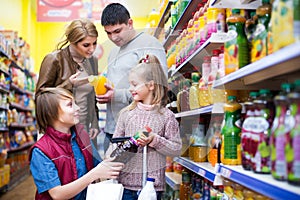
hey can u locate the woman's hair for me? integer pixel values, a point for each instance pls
(78, 30)
(114, 13)
(47, 105)
(150, 69)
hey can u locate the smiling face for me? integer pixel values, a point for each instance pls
(86, 47)
(68, 112)
(141, 90)
(120, 34)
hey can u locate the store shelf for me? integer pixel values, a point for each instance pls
(173, 180)
(196, 59)
(182, 21)
(21, 148)
(3, 89)
(20, 107)
(249, 4)
(203, 169)
(268, 72)
(203, 110)
(261, 183)
(3, 129)
(162, 20)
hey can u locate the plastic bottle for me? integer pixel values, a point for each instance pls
(296, 5)
(148, 192)
(259, 45)
(124, 151)
(185, 189)
(247, 130)
(282, 24)
(236, 50)
(293, 144)
(174, 14)
(264, 116)
(231, 133)
(194, 91)
(281, 127)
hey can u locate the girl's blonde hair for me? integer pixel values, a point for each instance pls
(78, 30)
(47, 106)
(150, 69)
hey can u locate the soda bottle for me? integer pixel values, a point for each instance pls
(293, 137)
(231, 133)
(247, 130)
(281, 127)
(264, 116)
(124, 150)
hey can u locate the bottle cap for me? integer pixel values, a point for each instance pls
(148, 129)
(151, 179)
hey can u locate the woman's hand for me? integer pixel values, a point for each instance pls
(76, 81)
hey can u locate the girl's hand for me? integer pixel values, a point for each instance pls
(143, 141)
(107, 169)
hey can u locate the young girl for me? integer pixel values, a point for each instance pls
(63, 162)
(148, 86)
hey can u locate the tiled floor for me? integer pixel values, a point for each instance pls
(23, 191)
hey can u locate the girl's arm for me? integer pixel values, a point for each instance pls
(106, 169)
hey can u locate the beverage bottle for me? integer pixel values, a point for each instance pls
(281, 127)
(259, 46)
(174, 14)
(296, 5)
(194, 91)
(293, 137)
(264, 116)
(124, 150)
(183, 103)
(185, 189)
(248, 122)
(231, 133)
(236, 49)
(148, 192)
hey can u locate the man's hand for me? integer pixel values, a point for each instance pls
(93, 132)
(105, 98)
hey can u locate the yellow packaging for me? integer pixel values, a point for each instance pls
(98, 83)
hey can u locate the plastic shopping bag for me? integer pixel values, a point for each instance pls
(105, 190)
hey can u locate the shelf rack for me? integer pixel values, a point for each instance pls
(174, 180)
(280, 66)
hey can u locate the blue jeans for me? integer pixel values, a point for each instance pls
(133, 195)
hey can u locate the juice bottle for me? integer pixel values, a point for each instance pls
(236, 50)
(259, 46)
(185, 189)
(281, 127)
(293, 144)
(183, 96)
(228, 189)
(264, 116)
(282, 23)
(194, 91)
(174, 14)
(296, 4)
(231, 133)
(247, 130)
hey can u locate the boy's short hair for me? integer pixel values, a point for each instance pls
(114, 13)
(47, 105)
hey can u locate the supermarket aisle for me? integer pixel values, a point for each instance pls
(25, 191)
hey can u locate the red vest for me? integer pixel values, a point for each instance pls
(57, 146)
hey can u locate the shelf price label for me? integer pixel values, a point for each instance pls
(225, 172)
(201, 172)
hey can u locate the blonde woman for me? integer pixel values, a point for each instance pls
(70, 65)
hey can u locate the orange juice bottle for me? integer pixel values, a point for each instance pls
(98, 82)
(231, 133)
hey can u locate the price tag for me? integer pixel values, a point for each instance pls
(225, 172)
(201, 172)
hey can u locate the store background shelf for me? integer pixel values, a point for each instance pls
(174, 180)
(262, 183)
(203, 169)
(249, 4)
(280, 66)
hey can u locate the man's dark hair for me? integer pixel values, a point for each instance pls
(113, 14)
